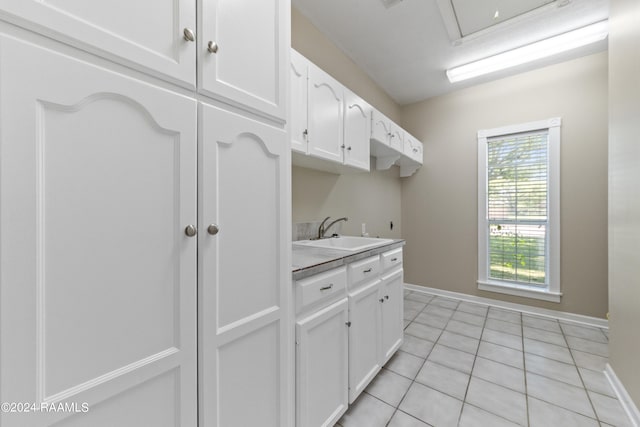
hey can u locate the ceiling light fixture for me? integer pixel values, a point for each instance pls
(531, 52)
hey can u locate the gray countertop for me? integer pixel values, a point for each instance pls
(307, 261)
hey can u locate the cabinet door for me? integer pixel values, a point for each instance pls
(325, 115)
(364, 337)
(396, 138)
(244, 53)
(322, 366)
(97, 185)
(391, 292)
(380, 127)
(298, 109)
(143, 34)
(245, 337)
(357, 131)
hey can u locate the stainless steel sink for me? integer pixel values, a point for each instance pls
(345, 243)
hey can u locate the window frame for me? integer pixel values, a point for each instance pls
(552, 291)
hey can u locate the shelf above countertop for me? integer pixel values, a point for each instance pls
(308, 261)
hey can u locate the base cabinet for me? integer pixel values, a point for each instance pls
(322, 366)
(350, 323)
(392, 297)
(364, 337)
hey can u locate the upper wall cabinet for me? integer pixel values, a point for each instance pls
(329, 124)
(324, 115)
(241, 45)
(357, 128)
(157, 36)
(298, 105)
(243, 53)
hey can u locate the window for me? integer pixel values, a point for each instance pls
(519, 210)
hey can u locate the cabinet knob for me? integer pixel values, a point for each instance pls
(212, 47)
(188, 35)
(349, 148)
(213, 229)
(386, 297)
(381, 300)
(190, 230)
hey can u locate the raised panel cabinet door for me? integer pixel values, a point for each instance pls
(357, 131)
(244, 280)
(244, 53)
(145, 34)
(98, 284)
(325, 116)
(322, 366)
(298, 129)
(364, 337)
(391, 293)
(396, 139)
(380, 127)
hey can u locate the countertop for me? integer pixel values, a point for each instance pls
(307, 261)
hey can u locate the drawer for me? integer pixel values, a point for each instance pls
(391, 259)
(361, 271)
(321, 287)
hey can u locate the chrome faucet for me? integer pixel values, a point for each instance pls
(322, 229)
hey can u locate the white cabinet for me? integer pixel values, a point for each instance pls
(385, 131)
(325, 116)
(321, 349)
(330, 125)
(243, 53)
(244, 336)
(357, 129)
(144, 34)
(298, 128)
(98, 284)
(364, 337)
(241, 46)
(391, 296)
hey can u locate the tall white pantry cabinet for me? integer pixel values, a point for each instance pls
(145, 213)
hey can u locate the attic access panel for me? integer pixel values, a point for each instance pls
(467, 17)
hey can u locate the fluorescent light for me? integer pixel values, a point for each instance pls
(531, 52)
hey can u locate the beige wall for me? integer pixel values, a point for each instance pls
(439, 203)
(372, 198)
(624, 193)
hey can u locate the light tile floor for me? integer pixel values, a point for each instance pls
(467, 364)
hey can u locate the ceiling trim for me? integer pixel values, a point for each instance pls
(455, 34)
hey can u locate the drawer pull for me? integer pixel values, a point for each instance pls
(394, 259)
(326, 288)
(368, 270)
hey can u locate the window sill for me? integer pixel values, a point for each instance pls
(520, 290)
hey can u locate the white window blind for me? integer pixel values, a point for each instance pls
(517, 207)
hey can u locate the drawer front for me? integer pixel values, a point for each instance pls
(391, 259)
(321, 287)
(362, 271)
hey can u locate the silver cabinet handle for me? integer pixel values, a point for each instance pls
(190, 230)
(326, 288)
(386, 297)
(415, 150)
(212, 47)
(368, 270)
(394, 259)
(213, 229)
(188, 35)
(381, 300)
(349, 148)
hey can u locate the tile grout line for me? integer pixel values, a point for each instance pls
(397, 408)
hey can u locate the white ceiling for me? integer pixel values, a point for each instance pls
(407, 46)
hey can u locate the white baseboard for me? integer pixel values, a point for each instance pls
(627, 403)
(560, 315)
